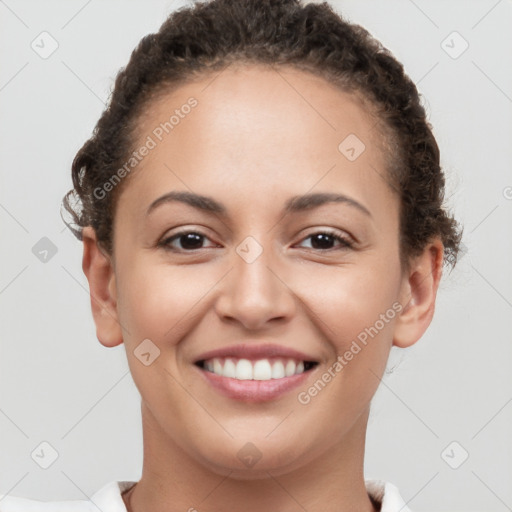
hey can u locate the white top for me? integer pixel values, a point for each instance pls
(109, 499)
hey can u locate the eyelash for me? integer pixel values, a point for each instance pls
(344, 241)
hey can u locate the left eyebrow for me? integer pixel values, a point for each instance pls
(293, 205)
(308, 201)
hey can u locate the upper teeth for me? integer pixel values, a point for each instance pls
(261, 369)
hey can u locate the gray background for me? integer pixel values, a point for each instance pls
(60, 385)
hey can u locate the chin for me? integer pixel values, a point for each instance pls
(253, 461)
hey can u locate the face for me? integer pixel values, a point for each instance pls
(289, 256)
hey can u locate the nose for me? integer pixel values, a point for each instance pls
(254, 294)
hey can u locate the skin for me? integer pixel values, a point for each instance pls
(257, 137)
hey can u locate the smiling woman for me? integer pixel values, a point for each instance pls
(263, 256)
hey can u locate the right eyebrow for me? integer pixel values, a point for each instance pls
(200, 202)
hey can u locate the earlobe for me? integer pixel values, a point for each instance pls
(418, 295)
(98, 268)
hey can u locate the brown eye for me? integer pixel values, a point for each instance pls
(323, 240)
(186, 240)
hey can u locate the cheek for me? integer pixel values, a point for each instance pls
(159, 301)
(349, 300)
(355, 309)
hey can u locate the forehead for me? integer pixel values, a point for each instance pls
(275, 130)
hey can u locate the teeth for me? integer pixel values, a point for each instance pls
(229, 369)
(243, 369)
(262, 369)
(278, 370)
(217, 366)
(289, 369)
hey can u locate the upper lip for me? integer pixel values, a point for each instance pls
(252, 351)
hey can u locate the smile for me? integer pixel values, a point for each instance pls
(255, 372)
(259, 369)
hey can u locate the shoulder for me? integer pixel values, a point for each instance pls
(107, 499)
(386, 496)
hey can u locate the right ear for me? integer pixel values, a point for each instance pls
(99, 270)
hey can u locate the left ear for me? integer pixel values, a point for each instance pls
(418, 295)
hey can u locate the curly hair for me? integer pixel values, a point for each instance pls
(212, 35)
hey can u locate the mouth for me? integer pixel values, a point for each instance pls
(253, 372)
(265, 369)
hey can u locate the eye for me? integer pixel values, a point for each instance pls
(193, 240)
(323, 240)
(189, 240)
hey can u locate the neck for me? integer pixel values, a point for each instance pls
(173, 481)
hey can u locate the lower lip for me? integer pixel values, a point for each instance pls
(254, 390)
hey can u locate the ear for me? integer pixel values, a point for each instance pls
(418, 295)
(99, 270)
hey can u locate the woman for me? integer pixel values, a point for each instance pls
(261, 210)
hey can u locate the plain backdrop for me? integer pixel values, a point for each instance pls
(440, 423)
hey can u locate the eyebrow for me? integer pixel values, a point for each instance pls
(293, 205)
